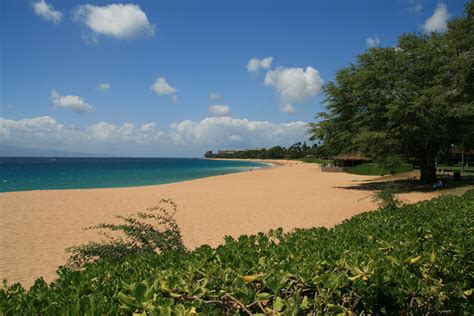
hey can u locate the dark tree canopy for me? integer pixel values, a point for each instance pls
(405, 102)
(295, 151)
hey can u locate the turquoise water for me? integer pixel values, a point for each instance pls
(23, 174)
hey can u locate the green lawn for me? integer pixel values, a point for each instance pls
(457, 167)
(373, 169)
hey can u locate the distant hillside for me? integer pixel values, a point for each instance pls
(13, 151)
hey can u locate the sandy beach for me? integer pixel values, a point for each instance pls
(36, 226)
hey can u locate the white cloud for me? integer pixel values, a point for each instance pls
(162, 87)
(45, 130)
(148, 127)
(415, 7)
(121, 21)
(235, 139)
(373, 41)
(37, 131)
(104, 86)
(255, 64)
(191, 137)
(47, 12)
(73, 102)
(287, 108)
(294, 85)
(438, 22)
(219, 109)
(219, 132)
(127, 133)
(214, 96)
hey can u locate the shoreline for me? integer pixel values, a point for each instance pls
(269, 165)
(37, 226)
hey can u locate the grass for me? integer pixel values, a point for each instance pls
(414, 260)
(373, 169)
(457, 167)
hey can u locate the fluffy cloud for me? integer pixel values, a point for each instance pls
(255, 64)
(45, 130)
(197, 136)
(214, 96)
(121, 21)
(221, 132)
(47, 12)
(73, 102)
(373, 41)
(438, 22)
(287, 108)
(294, 85)
(219, 109)
(162, 87)
(104, 86)
(127, 133)
(38, 131)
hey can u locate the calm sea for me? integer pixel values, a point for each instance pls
(21, 174)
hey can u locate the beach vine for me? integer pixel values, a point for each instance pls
(152, 231)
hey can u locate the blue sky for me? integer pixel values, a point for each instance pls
(55, 54)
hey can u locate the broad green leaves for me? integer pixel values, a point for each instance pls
(417, 259)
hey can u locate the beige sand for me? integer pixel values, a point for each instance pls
(36, 226)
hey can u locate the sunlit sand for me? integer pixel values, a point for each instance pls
(37, 226)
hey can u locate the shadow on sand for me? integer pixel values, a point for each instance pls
(408, 185)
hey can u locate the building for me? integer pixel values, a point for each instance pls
(344, 162)
(349, 160)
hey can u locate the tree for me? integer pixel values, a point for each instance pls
(295, 151)
(276, 152)
(209, 154)
(458, 77)
(406, 102)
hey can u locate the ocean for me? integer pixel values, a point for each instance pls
(24, 174)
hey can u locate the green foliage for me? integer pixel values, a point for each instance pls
(373, 169)
(141, 233)
(386, 198)
(415, 260)
(295, 151)
(411, 101)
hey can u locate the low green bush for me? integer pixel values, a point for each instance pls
(141, 233)
(387, 198)
(373, 169)
(413, 260)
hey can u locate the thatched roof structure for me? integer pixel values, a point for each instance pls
(352, 156)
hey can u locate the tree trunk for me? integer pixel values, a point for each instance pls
(428, 169)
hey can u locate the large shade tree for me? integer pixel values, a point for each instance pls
(405, 102)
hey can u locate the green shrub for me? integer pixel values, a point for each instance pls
(387, 198)
(373, 169)
(141, 233)
(414, 260)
